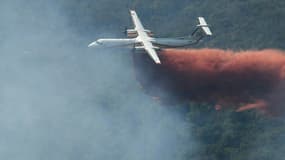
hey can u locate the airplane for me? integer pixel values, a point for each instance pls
(142, 39)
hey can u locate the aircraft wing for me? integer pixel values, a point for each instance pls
(136, 21)
(143, 38)
(150, 49)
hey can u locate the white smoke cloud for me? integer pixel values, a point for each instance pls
(61, 100)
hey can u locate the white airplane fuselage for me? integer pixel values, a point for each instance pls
(112, 43)
(160, 42)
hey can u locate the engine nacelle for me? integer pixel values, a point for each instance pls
(131, 33)
(149, 33)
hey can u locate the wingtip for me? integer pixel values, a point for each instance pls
(157, 62)
(132, 11)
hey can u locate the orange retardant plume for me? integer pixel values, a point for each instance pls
(245, 79)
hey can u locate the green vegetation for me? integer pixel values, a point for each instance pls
(237, 24)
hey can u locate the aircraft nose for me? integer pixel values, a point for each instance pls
(93, 44)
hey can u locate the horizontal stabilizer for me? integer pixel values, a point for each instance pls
(203, 24)
(202, 21)
(207, 31)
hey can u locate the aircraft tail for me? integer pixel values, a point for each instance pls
(202, 30)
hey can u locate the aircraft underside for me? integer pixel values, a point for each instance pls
(172, 42)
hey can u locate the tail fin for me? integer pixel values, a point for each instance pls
(202, 30)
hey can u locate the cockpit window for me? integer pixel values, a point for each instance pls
(99, 42)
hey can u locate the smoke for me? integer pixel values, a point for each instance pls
(245, 79)
(62, 100)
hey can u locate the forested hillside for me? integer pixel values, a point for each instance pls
(237, 25)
